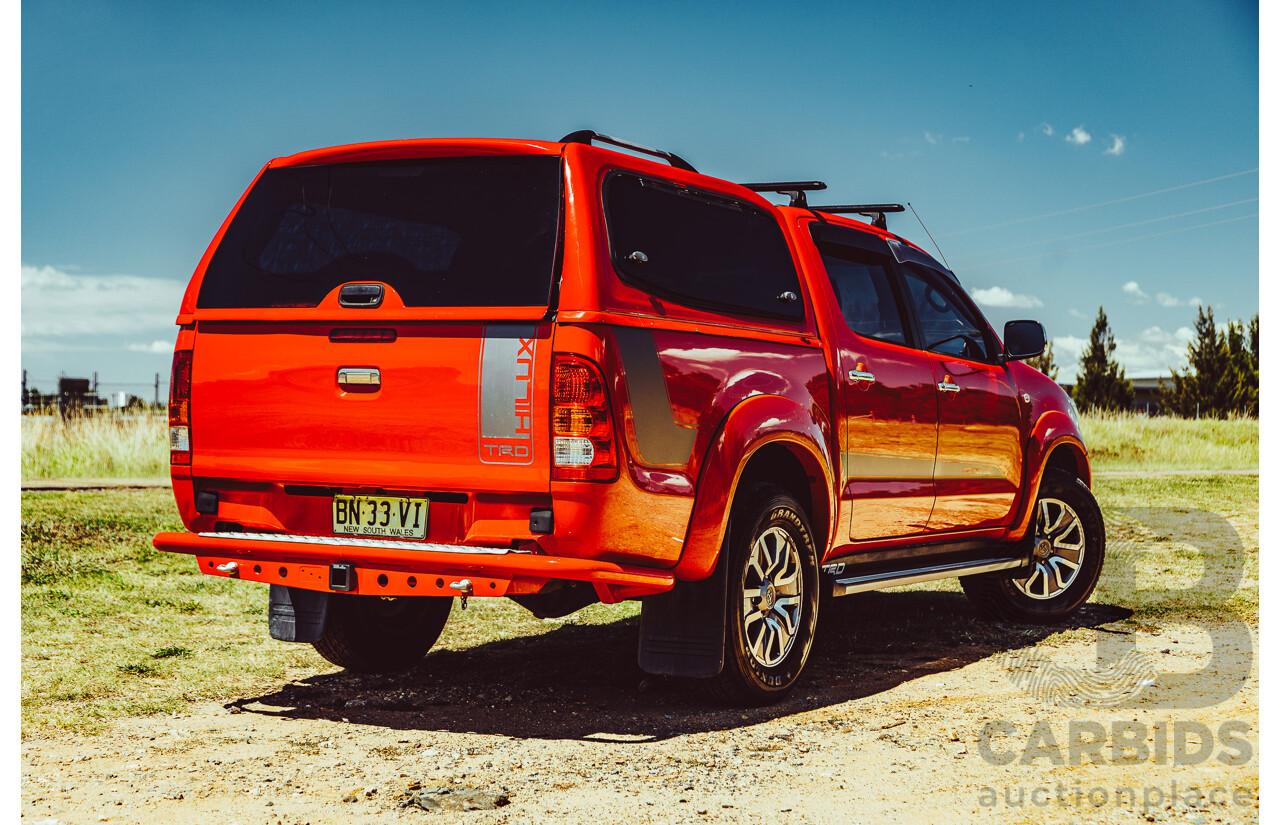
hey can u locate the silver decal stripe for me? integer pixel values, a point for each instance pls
(507, 358)
(662, 442)
(339, 541)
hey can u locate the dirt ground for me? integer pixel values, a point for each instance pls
(912, 711)
(899, 739)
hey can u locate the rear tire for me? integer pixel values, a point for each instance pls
(772, 602)
(371, 634)
(1068, 544)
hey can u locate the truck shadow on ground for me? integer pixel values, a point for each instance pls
(582, 681)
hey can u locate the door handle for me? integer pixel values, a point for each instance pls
(857, 376)
(947, 386)
(348, 376)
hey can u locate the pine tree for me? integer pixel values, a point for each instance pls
(1044, 362)
(1207, 388)
(1100, 384)
(1244, 366)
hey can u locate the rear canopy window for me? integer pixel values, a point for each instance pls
(443, 232)
(700, 249)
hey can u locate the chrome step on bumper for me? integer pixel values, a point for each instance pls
(354, 541)
(845, 585)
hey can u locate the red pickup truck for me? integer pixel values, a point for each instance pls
(420, 371)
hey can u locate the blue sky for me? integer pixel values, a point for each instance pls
(143, 122)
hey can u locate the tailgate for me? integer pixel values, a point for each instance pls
(445, 406)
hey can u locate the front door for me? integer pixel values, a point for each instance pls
(890, 421)
(978, 471)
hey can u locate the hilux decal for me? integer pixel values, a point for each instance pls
(506, 394)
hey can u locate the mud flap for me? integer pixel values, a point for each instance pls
(682, 630)
(297, 615)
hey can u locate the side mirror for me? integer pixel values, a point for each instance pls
(1023, 339)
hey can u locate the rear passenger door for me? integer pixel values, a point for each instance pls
(889, 416)
(979, 460)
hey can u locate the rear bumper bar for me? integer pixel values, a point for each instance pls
(401, 568)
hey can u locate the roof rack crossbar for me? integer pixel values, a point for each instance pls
(586, 136)
(874, 211)
(793, 189)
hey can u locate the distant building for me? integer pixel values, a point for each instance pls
(74, 397)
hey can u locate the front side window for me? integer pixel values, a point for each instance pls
(947, 325)
(700, 249)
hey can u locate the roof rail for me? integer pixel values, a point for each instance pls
(586, 136)
(874, 211)
(794, 189)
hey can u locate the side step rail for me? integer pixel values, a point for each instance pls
(844, 585)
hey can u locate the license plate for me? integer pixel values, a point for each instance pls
(404, 518)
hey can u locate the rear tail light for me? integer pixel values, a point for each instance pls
(180, 408)
(581, 428)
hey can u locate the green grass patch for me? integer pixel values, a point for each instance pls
(111, 628)
(1133, 441)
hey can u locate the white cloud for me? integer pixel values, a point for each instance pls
(1075, 313)
(1117, 146)
(998, 296)
(155, 347)
(1164, 299)
(1134, 291)
(1046, 129)
(932, 138)
(964, 139)
(1155, 335)
(1153, 353)
(1079, 136)
(56, 303)
(1195, 301)
(1067, 350)
(1021, 135)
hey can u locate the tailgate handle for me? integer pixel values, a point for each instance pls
(359, 377)
(367, 296)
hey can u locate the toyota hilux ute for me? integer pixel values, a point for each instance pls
(418, 372)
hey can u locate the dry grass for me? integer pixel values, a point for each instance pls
(100, 446)
(136, 446)
(1133, 441)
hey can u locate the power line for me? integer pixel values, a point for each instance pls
(1109, 243)
(1112, 228)
(1096, 205)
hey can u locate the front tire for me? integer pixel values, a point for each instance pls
(372, 634)
(772, 603)
(1068, 545)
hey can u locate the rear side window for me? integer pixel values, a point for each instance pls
(700, 249)
(861, 283)
(476, 231)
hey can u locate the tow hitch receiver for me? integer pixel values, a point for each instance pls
(464, 589)
(342, 577)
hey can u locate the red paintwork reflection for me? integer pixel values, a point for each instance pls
(707, 376)
(979, 466)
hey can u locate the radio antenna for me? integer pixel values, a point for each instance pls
(930, 234)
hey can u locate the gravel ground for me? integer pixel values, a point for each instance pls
(899, 741)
